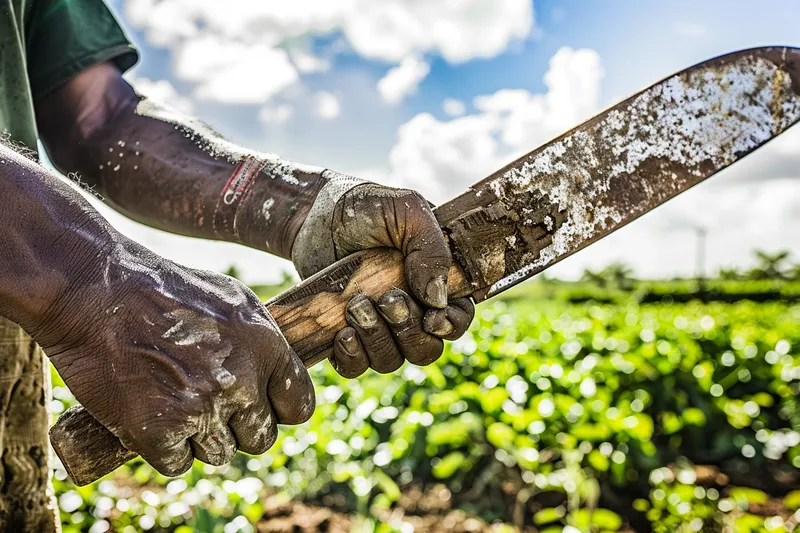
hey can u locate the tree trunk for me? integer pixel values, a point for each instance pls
(27, 503)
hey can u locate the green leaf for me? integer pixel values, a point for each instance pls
(598, 461)
(746, 495)
(550, 514)
(792, 500)
(493, 400)
(694, 417)
(602, 518)
(449, 465)
(500, 435)
(387, 485)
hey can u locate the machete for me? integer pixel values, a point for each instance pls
(539, 209)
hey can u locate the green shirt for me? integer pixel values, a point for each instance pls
(44, 43)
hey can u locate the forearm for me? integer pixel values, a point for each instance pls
(50, 240)
(174, 173)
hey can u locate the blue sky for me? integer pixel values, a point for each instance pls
(333, 113)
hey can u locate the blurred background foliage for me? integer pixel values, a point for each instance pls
(607, 404)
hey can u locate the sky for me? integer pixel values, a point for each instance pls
(437, 94)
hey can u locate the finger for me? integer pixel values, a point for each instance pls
(214, 443)
(290, 390)
(404, 317)
(170, 455)
(374, 334)
(452, 322)
(427, 256)
(255, 428)
(349, 359)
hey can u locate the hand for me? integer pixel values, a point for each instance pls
(177, 363)
(349, 216)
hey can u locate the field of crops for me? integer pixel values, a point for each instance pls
(550, 415)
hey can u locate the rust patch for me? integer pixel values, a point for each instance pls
(619, 165)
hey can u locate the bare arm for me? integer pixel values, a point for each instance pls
(171, 171)
(116, 319)
(174, 173)
(50, 237)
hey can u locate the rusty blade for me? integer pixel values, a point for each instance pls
(619, 165)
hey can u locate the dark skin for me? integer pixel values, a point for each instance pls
(101, 305)
(178, 363)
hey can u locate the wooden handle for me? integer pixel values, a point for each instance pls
(309, 315)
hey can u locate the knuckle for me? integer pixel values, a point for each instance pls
(256, 430)
(171, 469)
(424, 350)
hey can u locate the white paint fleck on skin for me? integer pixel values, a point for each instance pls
(225, 379)
(708, 117)
(191, 328)
(288, 383)
(268, 203)
(130, 263)
(174, 329)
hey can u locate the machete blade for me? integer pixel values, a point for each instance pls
(619, 165)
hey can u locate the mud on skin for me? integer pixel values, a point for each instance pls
(350, 215)
(175, 173)
(117, 320)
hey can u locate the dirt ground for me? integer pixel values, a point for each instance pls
(430, 511)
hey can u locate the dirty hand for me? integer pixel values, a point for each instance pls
(177, 363)
(349, 215)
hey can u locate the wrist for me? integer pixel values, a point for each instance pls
(266, 201)
(50, 237)
(313, 247)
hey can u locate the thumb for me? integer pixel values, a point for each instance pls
(427, 255)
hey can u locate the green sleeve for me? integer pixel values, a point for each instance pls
(64, 37)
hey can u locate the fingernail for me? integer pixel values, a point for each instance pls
(436, 291)
(349, 344)
(363, 313)
(394, 308)
(444, 329)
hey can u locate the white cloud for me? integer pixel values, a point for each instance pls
(442, 158)
(403, 79)
(235, 50)
(163, 92)
(233, 72)
(308, 63)
(278, 114)
(326, 105)
(389, 30)
(453, 107)
(458, 30)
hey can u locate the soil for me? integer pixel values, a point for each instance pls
(430, 511)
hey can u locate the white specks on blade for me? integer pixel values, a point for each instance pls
(704, 119)
(288, 383)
